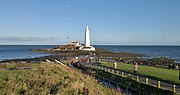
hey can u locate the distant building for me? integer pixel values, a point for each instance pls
(75, 45)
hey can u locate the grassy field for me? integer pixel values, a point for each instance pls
(49, 79)
(161, 73)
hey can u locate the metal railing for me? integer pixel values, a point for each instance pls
(142, 79)
(121, 88)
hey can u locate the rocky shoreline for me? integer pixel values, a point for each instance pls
(101, 55)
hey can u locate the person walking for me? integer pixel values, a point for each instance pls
(135, 68)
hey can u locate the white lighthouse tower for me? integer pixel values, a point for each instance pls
(87, 38)
(87, 46)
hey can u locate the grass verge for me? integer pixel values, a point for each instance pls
(160, 73)
(45, 78)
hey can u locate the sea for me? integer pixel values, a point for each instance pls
(21, 51)
(24, 51)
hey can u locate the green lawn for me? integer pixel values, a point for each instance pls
(161, 73)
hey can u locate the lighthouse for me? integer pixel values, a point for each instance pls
(87, 46)
(87, 38)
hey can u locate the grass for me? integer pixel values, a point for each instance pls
(45, 78)
(133, 85)
(160, 73)
(11, 66)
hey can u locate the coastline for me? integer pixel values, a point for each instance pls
(103, 54)
(150, 51)
(66, 53)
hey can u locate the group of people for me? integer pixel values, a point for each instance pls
(173, 66)
(135, 66)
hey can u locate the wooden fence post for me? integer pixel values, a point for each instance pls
(122, 74)
(174, 88)
(147, 81)
(117, 72)
(159, 84)
(112, 71)
(109, 70)
(137, 78)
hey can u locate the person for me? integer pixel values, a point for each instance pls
(115, 65)
(177, 66)
(135, 68)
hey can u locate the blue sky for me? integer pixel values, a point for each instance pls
(117, 22)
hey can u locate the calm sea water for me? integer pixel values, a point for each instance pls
(21, 51)
(24, 51)
(151, 51)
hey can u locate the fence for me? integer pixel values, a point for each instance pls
(142, 79)
(121, 88)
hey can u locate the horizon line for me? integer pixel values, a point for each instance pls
(101, 44)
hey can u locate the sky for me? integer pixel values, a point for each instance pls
(111, 22)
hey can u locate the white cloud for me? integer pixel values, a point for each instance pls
(27, 39)
(68, 6)
(69, 37)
